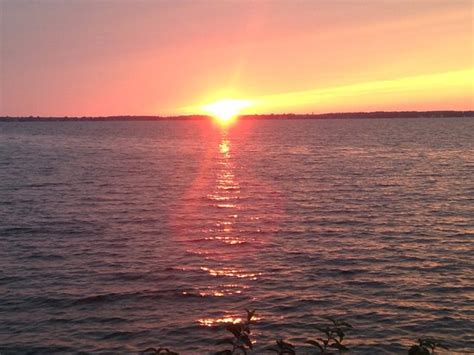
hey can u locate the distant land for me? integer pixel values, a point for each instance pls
(272, 116)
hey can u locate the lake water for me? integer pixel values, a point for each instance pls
(117, 236)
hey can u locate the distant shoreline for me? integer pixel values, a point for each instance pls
(273, 116)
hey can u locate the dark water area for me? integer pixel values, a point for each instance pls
(117, 236)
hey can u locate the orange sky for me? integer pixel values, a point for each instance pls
(94, 57)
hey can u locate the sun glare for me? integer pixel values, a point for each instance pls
(226, 111)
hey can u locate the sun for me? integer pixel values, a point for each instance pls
(226, 111)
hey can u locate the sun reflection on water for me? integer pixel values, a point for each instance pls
(209, 322)
(230, 272)
(224, 147)
(221, 235)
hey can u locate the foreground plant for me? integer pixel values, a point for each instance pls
(240, 342)
(426, 346)
(334, 337)
(330, 343)
(164, 351)
(283, 348)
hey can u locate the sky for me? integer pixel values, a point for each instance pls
(170, 57)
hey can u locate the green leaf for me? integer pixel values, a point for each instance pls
(283, 344)
(345, 324)
(224, 352)
(418, 350)
(315, 343)
(341, 335)
(234, 328)
(246, 340)
(339, 346)
(242, 348)
(250, 314)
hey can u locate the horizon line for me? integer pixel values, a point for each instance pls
(273, 115)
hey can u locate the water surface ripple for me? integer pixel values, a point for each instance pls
(117, 236)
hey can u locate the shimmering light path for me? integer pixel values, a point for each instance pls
(225, 243)
(117, 236)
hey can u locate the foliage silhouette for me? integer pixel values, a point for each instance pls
(164, 351)
(283, 348)
(334, 336)
(241, 341)
(426, 346)
(330, 342)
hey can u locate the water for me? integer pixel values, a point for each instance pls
(117, 236)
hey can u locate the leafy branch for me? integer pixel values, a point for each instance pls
(334, 337)
(283, 348)
(240, 342)
(426, 346)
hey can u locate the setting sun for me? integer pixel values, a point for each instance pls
(226, 110)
